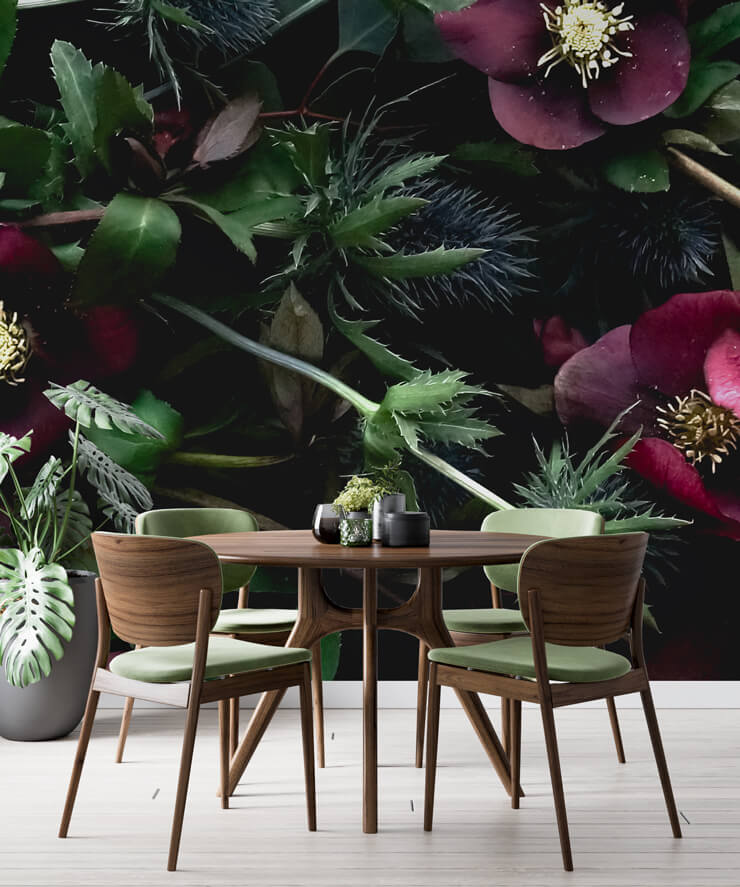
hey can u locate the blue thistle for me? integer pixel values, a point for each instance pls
(458, 217)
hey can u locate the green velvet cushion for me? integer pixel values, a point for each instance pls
(557, 522)
(247, 620)
(486, 621)
(182, 522)
(165, 665)
(513, 656)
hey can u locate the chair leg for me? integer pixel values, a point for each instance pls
(186, 760)
(616, 732)
(506, 725)
(224, 747)
(432, 746)
(318, 703)
(308, 751)
(515, 746)
(128, 707)
(657, 742)
(82, 743)
(421, 701)
(553, 758)
(233, 725)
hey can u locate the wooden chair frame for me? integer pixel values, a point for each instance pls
(191, 695)
(548, 696)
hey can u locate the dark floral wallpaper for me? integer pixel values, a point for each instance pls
(494, 243)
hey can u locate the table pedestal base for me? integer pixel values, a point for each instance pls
(420, 616)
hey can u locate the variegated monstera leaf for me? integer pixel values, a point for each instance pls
(36, 615)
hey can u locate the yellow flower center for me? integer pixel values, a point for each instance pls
(700, 428)
(15, 348)
(583, 34)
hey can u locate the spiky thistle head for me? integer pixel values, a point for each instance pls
(460, 216)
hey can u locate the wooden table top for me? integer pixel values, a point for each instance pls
(299, 548)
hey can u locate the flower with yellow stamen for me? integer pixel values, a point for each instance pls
(15, 348)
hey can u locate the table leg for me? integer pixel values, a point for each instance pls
(370, 702)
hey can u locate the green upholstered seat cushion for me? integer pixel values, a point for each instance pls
(183, 522)
(486, 621)
(249, 620)
(165, 665)
(513, 656)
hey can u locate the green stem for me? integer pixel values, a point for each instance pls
(218, 460)
(70, 495)
(459, 477)
(363, 405)
(302, 10)
(18, 529)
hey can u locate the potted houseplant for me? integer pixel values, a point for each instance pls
(382, 490)
(48, 626)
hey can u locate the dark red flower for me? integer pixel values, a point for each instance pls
(559, 340)
(682, 362)
(561, 72)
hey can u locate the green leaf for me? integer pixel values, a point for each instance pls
(398, 173)
(140, 454)
(179, 16)
(85, 404)
(421, 38)
(403, 267)
(40, 496)
(24, 157)
(644, 171)
(76, 80)
(119, 107)
(507, 157)
(132, 247)
(331, 648)
(721, 114)
(383, 358)
(239, 233)
(79, 522)
(36, 615)
(268, 208)
(704, 79)
(309, 151)
(445, 5)
(12, 448)
(458, 428)
(7, 29)
(368, 26)
(69, 255)
(711, 34)
(114, 484)
(358, 227)
(692, 140)
(427, 391)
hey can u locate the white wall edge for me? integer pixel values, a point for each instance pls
(402, 694)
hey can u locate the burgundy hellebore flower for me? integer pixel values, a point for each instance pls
(682, 362)
(559, 340)
(561, 71)
(41, 342)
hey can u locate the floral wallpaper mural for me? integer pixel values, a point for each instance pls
(495, 244)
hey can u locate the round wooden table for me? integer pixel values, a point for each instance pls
(420, 616)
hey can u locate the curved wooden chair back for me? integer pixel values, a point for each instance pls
(587, 586)
(152, 584)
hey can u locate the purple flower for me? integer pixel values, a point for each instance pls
(560, 74)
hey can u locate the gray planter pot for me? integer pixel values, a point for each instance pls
(54, 706)
(387, 505)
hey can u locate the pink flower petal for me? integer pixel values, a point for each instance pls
(503, 38)
(722, 371)
(646, 84)
(597, 383)
(559, 340)
(665, 467)
(670, 343)
(552, 114)
(21, 254)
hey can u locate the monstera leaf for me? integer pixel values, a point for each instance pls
(41, 494)
(83, 403)
(36, 605)
(114, 484)
(12, 448)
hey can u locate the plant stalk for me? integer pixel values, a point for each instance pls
(462, 479)
(710, 180)
(218, 460)
(68, 217)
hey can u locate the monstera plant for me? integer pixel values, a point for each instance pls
(50, 521)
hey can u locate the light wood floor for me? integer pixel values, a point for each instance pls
(621, 836)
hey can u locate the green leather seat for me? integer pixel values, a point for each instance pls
(513, 656)
(555, 522)
(166, 665)
(182, 522)
(485, 621)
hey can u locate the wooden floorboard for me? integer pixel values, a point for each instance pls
(619, 829)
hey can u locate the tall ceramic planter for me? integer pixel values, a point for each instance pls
(54, 706)
(386, 505)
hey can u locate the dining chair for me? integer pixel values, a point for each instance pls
(576, 596)
(260, 625)
(164, 595)
(474, 626)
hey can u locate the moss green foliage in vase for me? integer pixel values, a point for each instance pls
(359, 494)
(50, 522)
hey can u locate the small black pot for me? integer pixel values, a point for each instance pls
(406, 529)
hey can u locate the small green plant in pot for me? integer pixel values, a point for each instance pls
(48, 627)
(382, 490)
